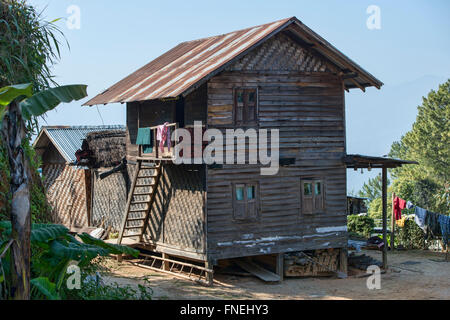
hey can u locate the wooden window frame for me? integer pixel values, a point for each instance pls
(244, 122)
(246, 217)
(317, 201)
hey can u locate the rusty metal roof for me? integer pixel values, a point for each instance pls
(189, 64)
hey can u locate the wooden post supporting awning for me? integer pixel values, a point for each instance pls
(357, 161)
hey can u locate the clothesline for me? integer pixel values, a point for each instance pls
(433, 224)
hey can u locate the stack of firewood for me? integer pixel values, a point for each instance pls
(297, 265)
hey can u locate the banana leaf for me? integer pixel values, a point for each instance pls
(9, 93)
(47, 100)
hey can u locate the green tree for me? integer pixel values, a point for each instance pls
(428, 142)
(29, 45)
(372, 189)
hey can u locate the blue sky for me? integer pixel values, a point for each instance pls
(410, 53)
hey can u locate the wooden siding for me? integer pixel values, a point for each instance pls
(299, 95)
(281, 226)
(195, 106)
(52, 156)
(307, 108)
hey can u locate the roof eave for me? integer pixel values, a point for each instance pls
(317, 40)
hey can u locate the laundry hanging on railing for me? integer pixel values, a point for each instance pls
(163, 135)
(145, 139)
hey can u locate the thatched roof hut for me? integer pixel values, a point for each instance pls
(103, 149)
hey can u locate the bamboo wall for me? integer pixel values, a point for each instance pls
(66, 193)
(177, 216)
(109, 198)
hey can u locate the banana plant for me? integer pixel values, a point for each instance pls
(54, 250)
(17, 105)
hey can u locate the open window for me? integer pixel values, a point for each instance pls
(245, 201)
(312, 196)
(245, 106)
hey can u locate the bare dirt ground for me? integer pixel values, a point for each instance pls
(412, 275)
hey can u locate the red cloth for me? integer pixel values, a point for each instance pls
(399, 205)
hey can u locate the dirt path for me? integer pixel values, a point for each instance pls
(413, 275)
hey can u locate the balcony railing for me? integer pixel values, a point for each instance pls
(156, 153)
(166, 154)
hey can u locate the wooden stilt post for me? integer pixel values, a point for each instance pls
(279, 270)
(166, 265)
(393, 224)
(209, 275)
(384, 199)
(343, 260)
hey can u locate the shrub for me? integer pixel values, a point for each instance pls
(410, 236)
(361, 225)
(94, 289)
(54, 249)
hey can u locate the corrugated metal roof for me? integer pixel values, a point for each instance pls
(191, 63)
(68, 139)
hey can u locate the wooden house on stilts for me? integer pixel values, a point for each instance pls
(280, 75)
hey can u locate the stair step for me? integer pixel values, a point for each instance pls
(138, 210)
(130, 235)
(145, 185)
(140, 202)
(136, 227)
(154, 174)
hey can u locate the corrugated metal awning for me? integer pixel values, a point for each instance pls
(190, 64)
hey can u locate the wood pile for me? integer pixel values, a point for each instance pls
(297, 265)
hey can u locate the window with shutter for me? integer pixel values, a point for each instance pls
(245, 106)
(312, 196)
(245, 201)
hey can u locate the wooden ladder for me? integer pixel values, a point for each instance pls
(140, 201)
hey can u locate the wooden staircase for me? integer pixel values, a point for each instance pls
(142, 195)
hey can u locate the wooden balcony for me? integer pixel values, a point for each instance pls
(157, 154)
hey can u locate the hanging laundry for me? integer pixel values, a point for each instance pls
(401, 223)
(399, 205)
(444, 223)
(145, 138)
(409, 205)
(163, 135)
(432, 226)
(420, 216)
